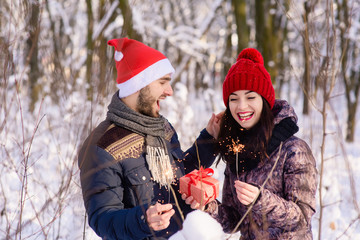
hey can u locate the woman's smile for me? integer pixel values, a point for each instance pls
(245, 116)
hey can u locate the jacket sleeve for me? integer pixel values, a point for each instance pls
(296, 207)
(202, 147)
(103, 194)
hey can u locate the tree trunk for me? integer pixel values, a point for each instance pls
(352, 82)
(307, 70)
(228, 53)
(269, 36)
(352, 97)
(260, 15)
(128, 29)
(2, 3)
(264, 33)
(281, 56)
(350, 129)
(90, 49)
(58, 73)
(102, 81)
(32, 56)
(242, 28)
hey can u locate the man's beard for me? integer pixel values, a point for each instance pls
(145, 103)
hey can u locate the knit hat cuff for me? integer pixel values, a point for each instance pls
(145, 77)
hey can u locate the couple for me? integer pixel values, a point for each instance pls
(131, 163)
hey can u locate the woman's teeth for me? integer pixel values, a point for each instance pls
(245, 116)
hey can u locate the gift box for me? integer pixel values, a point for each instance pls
(200, 185)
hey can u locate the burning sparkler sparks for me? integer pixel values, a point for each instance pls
(236, 147)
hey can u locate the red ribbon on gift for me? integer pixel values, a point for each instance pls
(201, 175)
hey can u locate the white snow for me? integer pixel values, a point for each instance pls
(210, 230)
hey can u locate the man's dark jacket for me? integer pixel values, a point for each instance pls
(117, 185)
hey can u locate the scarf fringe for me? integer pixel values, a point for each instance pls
(159, 165)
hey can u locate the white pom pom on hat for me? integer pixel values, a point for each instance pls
(137, 65)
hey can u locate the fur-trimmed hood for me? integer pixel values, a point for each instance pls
(282, 110)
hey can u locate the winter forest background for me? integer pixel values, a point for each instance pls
(57, 76)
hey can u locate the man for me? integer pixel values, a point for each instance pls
(131, 163)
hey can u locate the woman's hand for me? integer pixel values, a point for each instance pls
(246, 193)
(158, 216)
(213, 126)
(192, 202)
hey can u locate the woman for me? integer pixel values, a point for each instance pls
(268, 169)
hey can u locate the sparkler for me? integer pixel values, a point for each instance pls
(236, 148)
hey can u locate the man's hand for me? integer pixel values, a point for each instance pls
(213, 126)
(158, 216)
(246, 193)
(192, 202)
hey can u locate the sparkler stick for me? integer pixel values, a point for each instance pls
(237, 165)
(236, 148)
(177, 203)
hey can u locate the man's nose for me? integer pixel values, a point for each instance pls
(169, 91)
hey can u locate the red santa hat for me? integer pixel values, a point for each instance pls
(137, 65)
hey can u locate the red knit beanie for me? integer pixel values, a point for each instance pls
(249, 73)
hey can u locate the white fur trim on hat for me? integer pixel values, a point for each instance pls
(144, 78)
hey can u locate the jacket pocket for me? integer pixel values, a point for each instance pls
(139, 187)
(138, 176)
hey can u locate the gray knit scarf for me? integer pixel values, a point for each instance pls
(153, 129)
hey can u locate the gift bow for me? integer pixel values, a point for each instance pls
(201, 175)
